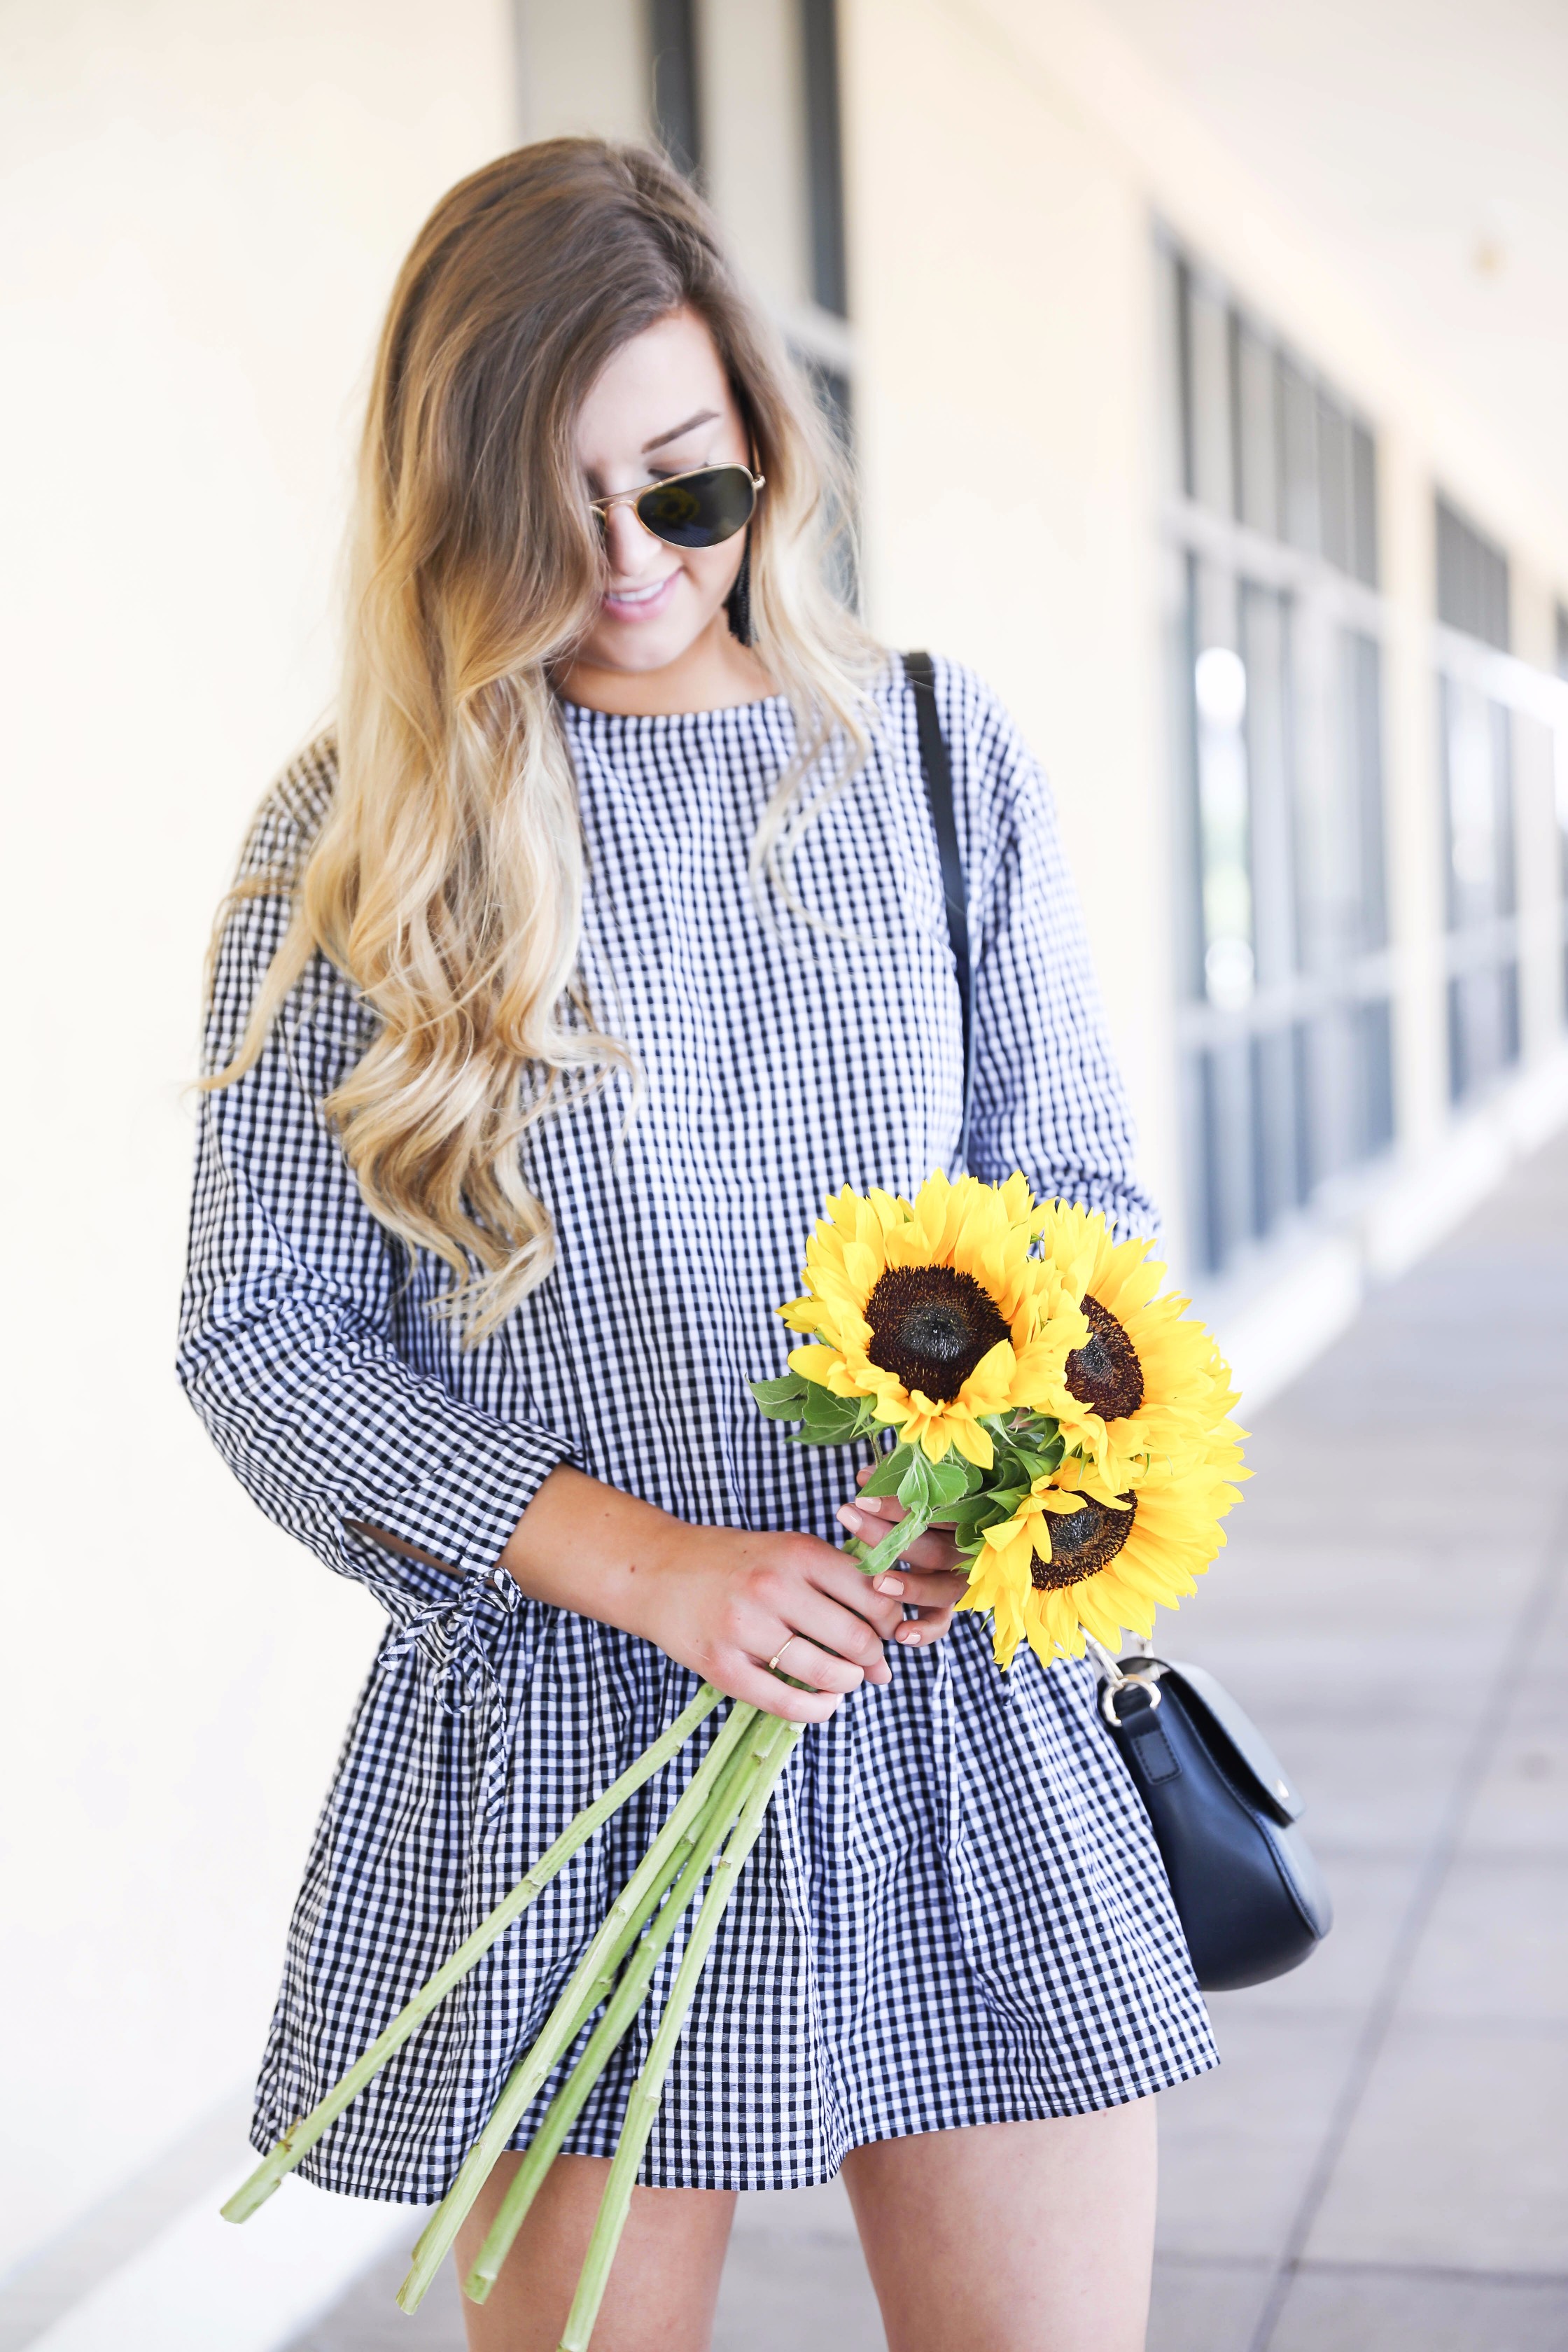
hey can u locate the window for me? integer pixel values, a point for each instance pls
(1475, 751)
(677, 112)
(1275, 636)
(1560, 799)
(823, 156)
(1472, 580)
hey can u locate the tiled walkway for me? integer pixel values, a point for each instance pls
(1381, 2163)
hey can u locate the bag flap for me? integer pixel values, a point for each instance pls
(1255, 1758)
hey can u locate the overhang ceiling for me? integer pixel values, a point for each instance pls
(1424, 145)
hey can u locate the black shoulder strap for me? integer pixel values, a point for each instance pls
(937, 769)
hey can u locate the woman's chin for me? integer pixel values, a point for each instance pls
(639, 646)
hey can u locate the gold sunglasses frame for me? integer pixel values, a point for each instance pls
(600, 507)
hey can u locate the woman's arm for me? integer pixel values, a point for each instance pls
(720, 1600)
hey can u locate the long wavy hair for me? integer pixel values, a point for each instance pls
(446, 883)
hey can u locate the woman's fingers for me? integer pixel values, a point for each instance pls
(848, 1587)
(931, 1598)
(870, 1521)
(922, 1592)
(803, 1661)
(743, 1679)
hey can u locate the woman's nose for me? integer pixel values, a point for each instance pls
(630, 548)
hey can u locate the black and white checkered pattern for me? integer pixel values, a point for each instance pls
(956, 1913)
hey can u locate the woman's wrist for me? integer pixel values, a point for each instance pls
(584, 1546)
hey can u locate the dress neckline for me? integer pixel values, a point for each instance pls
(586, 710)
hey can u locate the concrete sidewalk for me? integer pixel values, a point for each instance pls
(1381, 2163)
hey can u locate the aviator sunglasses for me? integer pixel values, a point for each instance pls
(697, 510)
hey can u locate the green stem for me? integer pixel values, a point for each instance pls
(612, 2029)
(772, 1752)
(302, 2135)
(589, 1982)
(898, 1539)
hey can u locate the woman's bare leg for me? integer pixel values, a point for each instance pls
(1019, 2237)
(662, 2290)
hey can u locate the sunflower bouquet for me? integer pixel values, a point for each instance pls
(1067, 1424)
(1029, 1388)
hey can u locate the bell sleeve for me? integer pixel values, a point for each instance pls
(285, 1349)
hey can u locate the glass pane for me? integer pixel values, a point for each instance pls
(1483, 1026)
(1472, 580)
(1364, 506)
(1257, 439)
(1335, 527)
(1500, 726)
(1299, 450)
(1277, 1190)
(1477, 795)
(824, 160)
(1227, 1130)
(1208, 356)
(672, 40)
(1331, 1085)
(1170, 373)
(1266, 652)
(1377, 1075)
(1361, 688)
(1178, 585)
(1224, 857)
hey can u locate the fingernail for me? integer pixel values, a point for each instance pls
(851, 1519)
(908, 1634)
(893, 1586)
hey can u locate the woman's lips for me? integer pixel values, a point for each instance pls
(640, 604)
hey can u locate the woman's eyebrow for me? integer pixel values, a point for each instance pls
(703, 416)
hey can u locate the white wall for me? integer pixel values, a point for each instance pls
(201, 210)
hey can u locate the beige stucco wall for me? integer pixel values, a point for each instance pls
(200, 215)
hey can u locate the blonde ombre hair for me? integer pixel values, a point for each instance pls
(446, 883)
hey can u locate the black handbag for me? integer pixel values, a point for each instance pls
(1249, 1893)
(1246, 1887)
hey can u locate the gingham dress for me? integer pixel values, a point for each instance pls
(956, 1914)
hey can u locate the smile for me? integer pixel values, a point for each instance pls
(640, 604)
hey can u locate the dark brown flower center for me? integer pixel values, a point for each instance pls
(1082, 1543)
(930, 1327)
(1105, 1373)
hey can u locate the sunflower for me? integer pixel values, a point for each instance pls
(1065, 1561)
(1149, 1385)
(935, 1310)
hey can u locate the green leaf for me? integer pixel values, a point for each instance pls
(830, 1420)
(948, 1481)
(781, 1399)
(970, 1518)
(885, 1478)
(914, 1490)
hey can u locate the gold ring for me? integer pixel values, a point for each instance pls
(773, 1661)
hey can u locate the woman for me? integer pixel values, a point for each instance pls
(600, 942)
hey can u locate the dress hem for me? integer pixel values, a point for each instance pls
(1002, 2110)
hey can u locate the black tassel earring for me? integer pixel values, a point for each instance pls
(738, 602)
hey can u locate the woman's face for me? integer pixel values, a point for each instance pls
(662, 406)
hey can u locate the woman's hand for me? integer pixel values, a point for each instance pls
(924, 1579)
(726, 1603)
(719, 1600)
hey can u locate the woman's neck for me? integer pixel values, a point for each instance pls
(714, 673)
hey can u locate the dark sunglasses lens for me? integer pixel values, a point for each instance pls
(699, 509)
